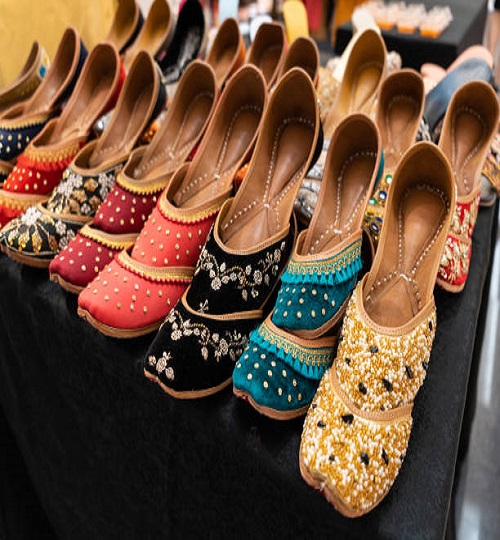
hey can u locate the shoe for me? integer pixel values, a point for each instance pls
(245, 253)
(267, 51)
(40, 167)
(186, 45)
(28, 80)
(295, 17)
(140, 183)
(357, 429)
(438, 99)
(287, 355)
(135, 292)
(227, 52)
(20, 123)
(35, 237)
(398, 115)
(303, 53)
(126, 25)
(469, 126)
(363, 76)
(154, 36)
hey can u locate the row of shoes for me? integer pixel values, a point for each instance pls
(152, 237)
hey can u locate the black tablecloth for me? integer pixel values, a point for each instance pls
(467, 28)
(111, 456)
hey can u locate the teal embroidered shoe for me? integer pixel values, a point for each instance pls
(280, 369)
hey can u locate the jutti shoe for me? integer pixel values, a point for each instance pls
(268, 51)
(469, 126)
(280, 370)
(134, 293)
(195, 351)
(187, 43)
(28, 80)
(302, 53)
(35, 237)
(155, 34)
(20, 123)
(126, 25)
(138, 186)
(227, 52)
(399, 110)
(357, 429)
(40, 167)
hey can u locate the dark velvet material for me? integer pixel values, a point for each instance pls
(467, 27)
(111, 456)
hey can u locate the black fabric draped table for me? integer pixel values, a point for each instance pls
(109, 455)
(467, 28)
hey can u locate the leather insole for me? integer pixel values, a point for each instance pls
(399, 121)
(364, 86)
(222, 65)
(169, 151)
(78, 121)
(218, 168)
(342, 207)
(122, 136)
(268, 215)
(268, 61)
(394, 300)
(468, 136)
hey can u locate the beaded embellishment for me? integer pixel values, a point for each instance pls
(357, 430)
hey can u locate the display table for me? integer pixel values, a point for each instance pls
(467, 27)
(111, 456)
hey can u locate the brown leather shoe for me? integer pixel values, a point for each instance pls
(470, 123)
(364, 73)
(227, 52)
(125, 26)
(28, 80)
(268, 51)
(303, 53)
(155, 35)
(398, 114)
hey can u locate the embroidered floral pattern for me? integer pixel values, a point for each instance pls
(161, 365)
(248, 279)
(226, 344)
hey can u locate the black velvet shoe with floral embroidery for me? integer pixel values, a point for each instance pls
(196, 349)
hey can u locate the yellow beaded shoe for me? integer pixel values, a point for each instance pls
(357, 429)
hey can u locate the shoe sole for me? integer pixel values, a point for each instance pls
(189, 394)
(450, 288)
(66, 285)
(111, 331)
(24, 259)
(267, 411)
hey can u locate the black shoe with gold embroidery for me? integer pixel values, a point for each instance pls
(196, 348)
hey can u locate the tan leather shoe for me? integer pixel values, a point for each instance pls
(28, 80)
(358, 427)
(268, 51)
(227, 52)
(155, 35)
(469, 126)
(363, 76)
(303, 53)
(125, 26)
(399, 110)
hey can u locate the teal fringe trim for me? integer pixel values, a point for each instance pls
(317, 275)
(309, 363)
